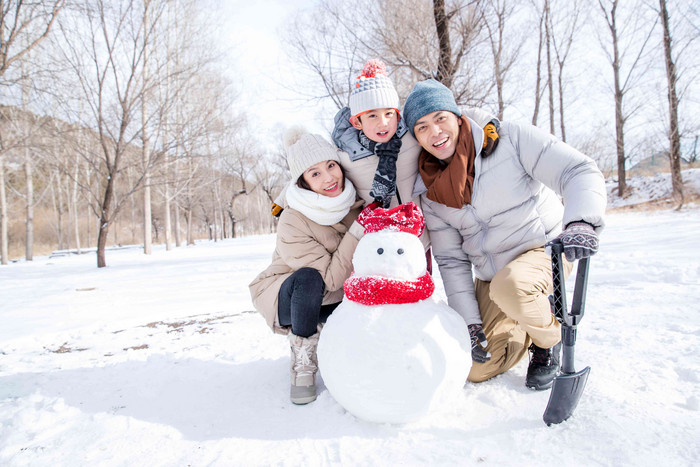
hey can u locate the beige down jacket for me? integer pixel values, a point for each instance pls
(304, 243)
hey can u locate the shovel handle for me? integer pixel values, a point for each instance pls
(569, 319)
(561, 311)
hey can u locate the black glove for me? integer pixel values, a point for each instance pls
(478, 338)
(579, 241)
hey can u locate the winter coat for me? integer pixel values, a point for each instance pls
(514, 208)
(304, 243)
(360, 164)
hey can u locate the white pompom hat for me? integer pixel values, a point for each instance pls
(305, 149)
(373, 90)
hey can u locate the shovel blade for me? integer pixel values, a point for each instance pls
(566, 392)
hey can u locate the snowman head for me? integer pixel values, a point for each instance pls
(390, 247)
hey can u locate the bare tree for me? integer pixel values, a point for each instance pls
(621, 83)
(539, 91)
(332, 42)
(561, 41)
(146, 149)
(22, 27)
(673, 134)
(107, 59)
(550, 77)
(495, 14)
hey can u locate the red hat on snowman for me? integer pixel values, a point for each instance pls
(403, 218)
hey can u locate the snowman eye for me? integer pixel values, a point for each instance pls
(400, 251)
(380, 251)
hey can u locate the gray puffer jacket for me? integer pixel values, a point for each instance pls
(514, 208)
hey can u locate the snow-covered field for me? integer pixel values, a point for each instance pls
(158, 360)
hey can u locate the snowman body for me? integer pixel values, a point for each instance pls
(390, 352)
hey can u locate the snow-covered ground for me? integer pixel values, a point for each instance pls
(657, 187)
(159, 360)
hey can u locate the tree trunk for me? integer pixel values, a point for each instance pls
(74, 202)
(103, 231)
(188, 217)
(29, 237)
(178, 239)
(166, 211)
(4, 252)
(619, 117)
(147, 218)
(550, 81)
(166, 190)
(445, 71)
(674, 135)
(561, 105)
(538, 81)
(58, 207)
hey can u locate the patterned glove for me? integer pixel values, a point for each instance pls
(478, 338)
(362, 217)
(579, 240)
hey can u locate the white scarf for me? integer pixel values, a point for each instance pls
(323, 210)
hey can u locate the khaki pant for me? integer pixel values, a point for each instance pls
(515, 310)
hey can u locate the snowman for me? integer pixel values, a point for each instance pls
(391, 352)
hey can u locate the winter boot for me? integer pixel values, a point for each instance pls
(544, 366)
(304, 365)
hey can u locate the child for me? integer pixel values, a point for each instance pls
(316, 238)
(380, 155)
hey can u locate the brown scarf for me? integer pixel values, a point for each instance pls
(451, 184)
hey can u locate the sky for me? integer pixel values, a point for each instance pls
(160, 360)
(254, 32)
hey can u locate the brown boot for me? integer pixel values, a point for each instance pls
(303, 368)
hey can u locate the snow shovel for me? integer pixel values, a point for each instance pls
(569, 384)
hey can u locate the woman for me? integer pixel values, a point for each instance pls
(316, 238)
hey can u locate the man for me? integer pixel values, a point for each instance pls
(490, 210)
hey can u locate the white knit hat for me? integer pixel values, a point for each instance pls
(305, 149)
(373, 90)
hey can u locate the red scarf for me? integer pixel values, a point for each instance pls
(377, 290)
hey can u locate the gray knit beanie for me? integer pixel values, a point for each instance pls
(427, 97)
(373, 90)
(305, 149)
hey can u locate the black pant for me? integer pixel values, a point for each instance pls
(300, 300)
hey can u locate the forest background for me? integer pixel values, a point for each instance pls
(136, 121)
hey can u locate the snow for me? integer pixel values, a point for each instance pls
(658, 186)
(393, 362)
(158, 360)
(378, 254)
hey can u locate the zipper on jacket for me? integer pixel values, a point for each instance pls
(484, 229)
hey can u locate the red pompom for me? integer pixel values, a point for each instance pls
(403, 218)
(373, 68)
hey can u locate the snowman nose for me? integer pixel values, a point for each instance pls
(400, 251)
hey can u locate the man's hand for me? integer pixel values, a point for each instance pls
(579, 241)
(362, 217)
(478, 338)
